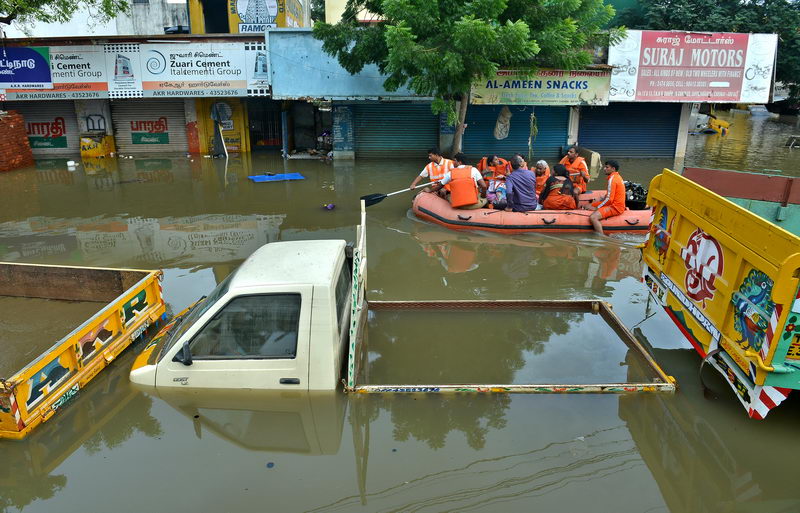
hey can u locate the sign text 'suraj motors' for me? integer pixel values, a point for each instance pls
(658, 66)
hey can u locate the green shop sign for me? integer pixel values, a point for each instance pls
(544, 87)
(148, 138)
(48, 142)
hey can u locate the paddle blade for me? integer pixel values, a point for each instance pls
(371, 199)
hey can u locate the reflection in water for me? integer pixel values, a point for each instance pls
(208, 238)
(707, 457)
(752, 144)
(447, 346)
(260, 420)
(460, 252)
(92, 421)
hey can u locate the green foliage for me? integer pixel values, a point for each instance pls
(318, 10)
(781, 17)
(58, 11)
(439, 47)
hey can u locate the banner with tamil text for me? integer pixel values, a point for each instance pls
(78, 73)
(194, 70)
(674, 66)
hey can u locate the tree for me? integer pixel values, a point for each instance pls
(439, 47)
(780, 17)
(58, 11)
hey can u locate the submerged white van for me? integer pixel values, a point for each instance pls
(279, 321)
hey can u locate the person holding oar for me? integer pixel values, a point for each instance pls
(435, 170)
(467, 188)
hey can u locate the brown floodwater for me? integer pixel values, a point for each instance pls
(115, 448)
(30, 326)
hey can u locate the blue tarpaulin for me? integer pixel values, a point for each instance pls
(276, 178)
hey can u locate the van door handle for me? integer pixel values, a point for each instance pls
(290, 381)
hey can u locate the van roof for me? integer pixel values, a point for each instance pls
(311, 262)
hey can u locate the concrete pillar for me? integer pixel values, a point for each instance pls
(574, 125)
(94, 116)
(196, 139)
(683, 137)
(343, 135)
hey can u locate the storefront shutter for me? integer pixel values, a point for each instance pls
(149, 126)
(552, 123)
(394, 130)
(52, 126)
(632, 129)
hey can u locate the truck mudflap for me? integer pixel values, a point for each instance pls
(729, 280)
(42, 388)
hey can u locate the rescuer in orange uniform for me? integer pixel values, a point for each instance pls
(578, 170)
(613, 203)
(466, 185)
(493, 164)
(436, 168)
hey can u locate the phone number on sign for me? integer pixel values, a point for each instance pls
(196, 93)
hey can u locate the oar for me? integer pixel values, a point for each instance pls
(371, 199)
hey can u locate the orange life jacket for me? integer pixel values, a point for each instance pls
(437, 171)
(541, 180)
(463, 190)
(503, 169)
(575, 175)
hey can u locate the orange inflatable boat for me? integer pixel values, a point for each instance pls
(431, 207)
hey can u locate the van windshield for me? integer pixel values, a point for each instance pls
(194, 313)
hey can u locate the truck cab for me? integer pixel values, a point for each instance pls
(279, 321)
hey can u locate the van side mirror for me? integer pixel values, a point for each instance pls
(184, 355)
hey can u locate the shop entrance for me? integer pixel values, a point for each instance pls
(265, 124)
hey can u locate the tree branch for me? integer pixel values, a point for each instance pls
(8, 19)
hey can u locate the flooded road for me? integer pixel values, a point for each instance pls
(116, 448)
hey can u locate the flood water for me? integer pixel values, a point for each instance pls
(115, 448)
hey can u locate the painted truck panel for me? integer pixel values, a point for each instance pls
(40, 389)
(729, 280)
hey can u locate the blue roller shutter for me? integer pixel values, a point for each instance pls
(634, 129)
(479, 137)
(394, 129)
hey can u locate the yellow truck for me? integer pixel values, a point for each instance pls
(43, 376)
(724, 262)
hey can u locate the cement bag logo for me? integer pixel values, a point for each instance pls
(256, 15)
(703, 259)
(47, 134)
(156, 63)
(150, 131)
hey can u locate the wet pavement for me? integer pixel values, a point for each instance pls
(117, 448)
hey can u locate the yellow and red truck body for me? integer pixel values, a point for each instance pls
(729, 279)
(36, 392)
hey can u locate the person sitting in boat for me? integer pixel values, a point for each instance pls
(578, 170)
(436, 168)
(558, 193)
(613, 203)
(542, 174)
(466, 185)
(493, 167)
(520, 187)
